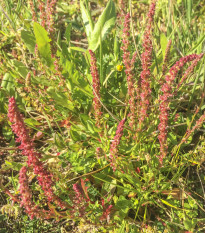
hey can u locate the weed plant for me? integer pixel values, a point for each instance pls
(102, 116)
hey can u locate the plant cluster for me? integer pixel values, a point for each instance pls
(102, 123)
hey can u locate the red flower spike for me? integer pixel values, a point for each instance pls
(197, 126)
(96, 88)
(146, 62)
(129, 65)
(26, 197)
(164, 66)
(27, 147)
(164, 99)
(189, 70)
(42, 12)
(50, 14)
(34, 18)
(116, 142)
(79, 201)
(106, 211)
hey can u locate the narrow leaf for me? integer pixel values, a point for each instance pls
(198, 43)
(168, 204)
(189, 10)
(67, 33)
(79, 49)
(163, 43)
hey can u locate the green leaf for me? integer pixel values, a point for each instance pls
(29, 40)
(67, 33)
(75, 135)
(168, 204)
(172, 138)
(198, 43)
(79, 82)
(84, 118)
(7, 132)
(189, 10)
(20, 68)
(163, 43)
(104, 24)
(116, 48)
(123, 204)
(90, 126)
(87, 20)
(41, 80)
(60, 98)
(43, 43)
(75, 147)
(78, 49)
(58, 140)
(7, 82)
(190, 224)
(88, 123)
(32, 122)
(14, 165)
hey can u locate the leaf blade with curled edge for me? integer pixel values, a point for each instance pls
(104, 24)
(87, 20)
(43, 43)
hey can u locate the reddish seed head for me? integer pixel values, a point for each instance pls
(116, 142)
(164, 99)
(96, 88)
(27, 147)
(146, 62)
(129, 65)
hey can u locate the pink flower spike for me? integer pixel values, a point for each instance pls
(26, 196)
(27, 147)
(129, 65)
(116, 142)
(79, 201)
(164, 100)
(189, 70)
(198, 124)
(96, 88)
(106, 212)
(146, 62)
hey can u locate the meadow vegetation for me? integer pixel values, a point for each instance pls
(102, 116)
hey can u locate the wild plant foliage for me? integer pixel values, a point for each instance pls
(102, 117)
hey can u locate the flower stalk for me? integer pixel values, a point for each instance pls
(197, 126)
(129, 66)
(26, 196)
(115, 143)
(164, 99)
(167, 52)
(96, 89)
(146, 63)
(27, 147)
(189, 70)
